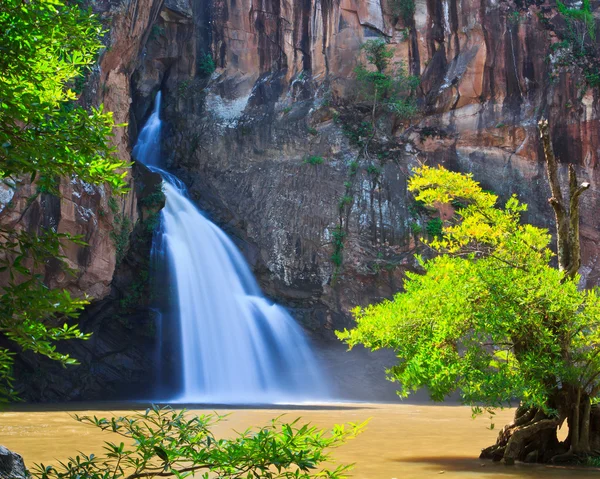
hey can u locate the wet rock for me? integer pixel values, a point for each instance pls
(11, 465)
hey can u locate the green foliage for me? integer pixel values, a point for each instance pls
(153, 200)
(378, 54)
(168, 443)
(358, 134)
(113, 205)
(182, 88)
(353, 168)
(592, 79)
(489, 318)
(392, 88)
(416, 228)
(314, 160)
(46, 46)
(434, 227)
(120, 235)
(404, 9)
(286, 110)
(344, 201)
(583, 15)
(156, 32)
(338, 236)
(514, 17)
(151, 222)
(578, 42)
(373, 170)
(136, 291)
(206, 65)
(312, 131)
(31, 314)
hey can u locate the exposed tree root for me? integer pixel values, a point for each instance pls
(532, 437)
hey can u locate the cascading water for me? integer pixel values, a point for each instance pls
(236, 346)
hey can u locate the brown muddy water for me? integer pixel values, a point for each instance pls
(401, 441)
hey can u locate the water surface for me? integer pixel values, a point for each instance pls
(401, 441)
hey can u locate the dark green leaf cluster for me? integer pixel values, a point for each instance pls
(168, 443)
(434, 227)
(206, 65)
(314, 160)
(404, 9)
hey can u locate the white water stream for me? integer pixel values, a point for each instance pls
(236, 346)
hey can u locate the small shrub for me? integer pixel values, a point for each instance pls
(120, 236)
(156, 32)
(358, 134)
(434, 227)
(206, 65)
(112, 204)
(166, 443)
(182, 88)
(314, 160)
(152, 222)
(312, 131)
(416, 228)
(154, 199)
(404, 9)
(416, 208)
(345, 200)
(338, 235)
(373, 170)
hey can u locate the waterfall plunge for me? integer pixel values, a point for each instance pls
(236, 346)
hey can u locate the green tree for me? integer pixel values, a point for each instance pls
(384, 86)
(45, 46)
(489, 318)
(167, 443)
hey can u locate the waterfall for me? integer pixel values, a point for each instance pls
(236, 346)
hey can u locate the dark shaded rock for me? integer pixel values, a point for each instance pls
(119, 360)
(11, 465)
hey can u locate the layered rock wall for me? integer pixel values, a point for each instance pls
(284, 90)
(253, 89)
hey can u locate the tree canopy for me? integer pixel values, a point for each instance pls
(46, 48)
(489, 317)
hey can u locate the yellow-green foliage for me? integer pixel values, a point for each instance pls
(489, 317)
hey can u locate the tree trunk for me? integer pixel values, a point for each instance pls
(566, 214)
(531, 437)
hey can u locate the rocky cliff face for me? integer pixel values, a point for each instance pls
(254, 88)
(283, 91)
